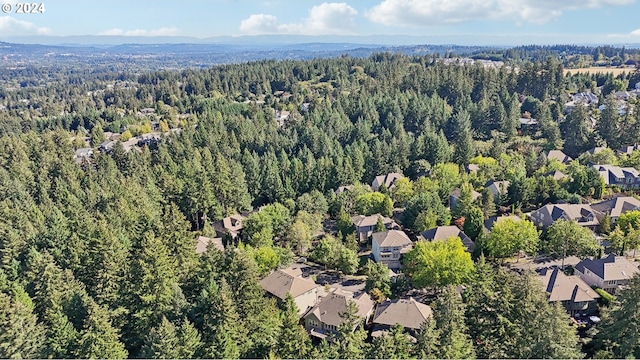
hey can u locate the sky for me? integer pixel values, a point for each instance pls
(470, 21)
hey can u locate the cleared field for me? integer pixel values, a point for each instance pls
(599, 70)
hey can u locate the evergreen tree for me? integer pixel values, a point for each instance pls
(99, 339)
(293, 342)
(21, 337)
(351, 336)
(473, 222)
(463, 140)
(449, 315)
(427, 340)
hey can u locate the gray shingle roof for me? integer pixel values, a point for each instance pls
(406, 312)
(610, 268)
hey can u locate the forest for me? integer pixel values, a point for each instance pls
(97, 257)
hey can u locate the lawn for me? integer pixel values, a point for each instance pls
(599, 70)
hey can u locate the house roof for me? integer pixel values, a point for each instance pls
(406, 312)
(560, 287)
(497, 187)
(371, 220)
(617, 206)
(232, 224)
(330, 307)
(288, 281)
(391, 238)
(610, 268)
(445, 232)
(581, 213)
(596, 150)
(388, 180)
(492, 221)
(556, 175)
(203, 242)
(456, 194)
(558, 155)
(629, 149)
(611, 172)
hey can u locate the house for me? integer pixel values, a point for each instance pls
(107, 146)
(444, 232)
(472, 168)
(556, 175)
(585, 97)
(324, 318)
(231, 225)
(290, 281)
(628, 150)
(558, 155)
(388, 180)
(204, 242)
(622, 177)
(83, 154)
(409, 313)
(638, 86)
(583, 214)
(615, 207)
(596, 150)
(455, 196)
(492, 221)
(366, 224)
(611, 273)
(497, 188)
(575, 295)
(389, 246)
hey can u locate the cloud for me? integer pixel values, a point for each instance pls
(13, 27)
(165, 31)
(323, 19)
(635, 32)
(437, 12)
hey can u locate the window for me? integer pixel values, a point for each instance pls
(312, 322)
(611, 282)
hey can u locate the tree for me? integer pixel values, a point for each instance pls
(344, 223)
(293, 342)
(347, 260)
(380, 225)
(373, 203)
(508, 237)
(166, 341)
(21, 337)
(629, 220)
(99, 339)
(605, 224)
(463, 140)
(427, 340)
(488, 203)
(567, 238)
(454, 342)
(326, 252)
(377, 277)
(392, 345)
(299, 236)
(577, 134)
(464, 202)
(473, 222)
(351, 336)
(438, 263)
(313, 202)
(619, 331)
(402, 191)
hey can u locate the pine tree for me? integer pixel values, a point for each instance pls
(463, 140)
(351, 336)
(473, 222)
(427, 340)
(99, 339)
(293, 342)
(449, 315)
(221, 324)
(21, 336)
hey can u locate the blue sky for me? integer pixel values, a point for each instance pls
(482, 21)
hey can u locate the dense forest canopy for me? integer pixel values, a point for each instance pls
(97, 256)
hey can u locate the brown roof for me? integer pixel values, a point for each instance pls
(231, 225)
(371, 220)
(560, 287)
(203, 242)
(610, 268)
(330, 307)
(456, 194)
(492, 221)
(558, 155)
(282, 282)
(391, 238)
(388, 180)
(406, 312)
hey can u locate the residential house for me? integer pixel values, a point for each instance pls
(389, 246)
(622, 177)
(365, 225)
(596, 150)
(583, 214)
(203, 243)
(107, 146)
(83, 154)
(472, 168)
(628, 150)
(492, 221)
(558, 155)
(388, 180)
(615, 207)
(575, 295)
(324, 318)
(556, 175)
(230, 225)
(409, 313)
(455, 196)
(611, 273)
(497, 188)
(585, 97)
(444, 232)
(304, 291)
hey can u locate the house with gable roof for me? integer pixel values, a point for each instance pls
(290, 281)
(583, 214)
(615, 207)
(388, 180)
(389, 246)
(324, 318)
(622, 177)
(366, 224)
(611, 273)
(409, 313)
(203, 243)
(575, 295)
(442, 233)
(558, 155)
